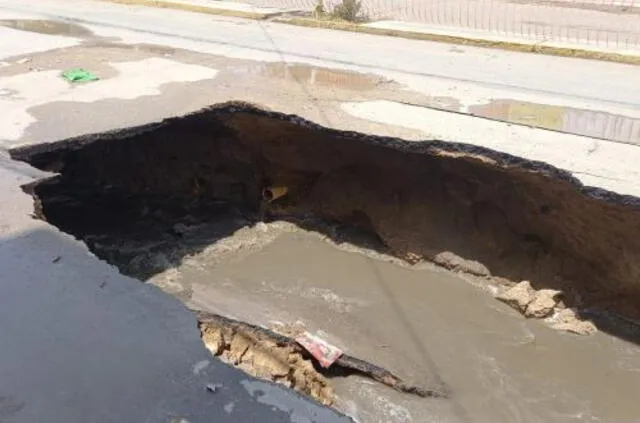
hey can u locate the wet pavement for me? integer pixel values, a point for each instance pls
(48, 27)
(588, 122)
(310, 75)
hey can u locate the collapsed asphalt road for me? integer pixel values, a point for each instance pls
(491, 216)
(515, 219)
(78, 338)
(62, 306)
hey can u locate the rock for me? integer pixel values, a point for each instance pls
(214, 340)
(412, 258)
(269, 361)
(518, 296)
(262, 227)
(579, 327)
(213, 387)
(567, 320)
(454, 262)
(265, 358)
(238, 347)
(543, 303)
(500, 281)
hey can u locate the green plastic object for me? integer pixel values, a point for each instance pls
(79, 75)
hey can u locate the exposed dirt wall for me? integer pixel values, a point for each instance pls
(506, 217)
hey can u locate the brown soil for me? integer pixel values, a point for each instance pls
(274, 356)
(467, 208)
(263, 357)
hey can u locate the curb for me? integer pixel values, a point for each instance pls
(281, 17)
(473, 42)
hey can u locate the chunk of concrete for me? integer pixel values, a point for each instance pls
(543, 303)
(568, 320)
(518, 296)
(454, 262)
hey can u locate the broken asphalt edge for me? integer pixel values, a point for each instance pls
(282, 17)
(165, 390)
(32, 153)
(426, 147)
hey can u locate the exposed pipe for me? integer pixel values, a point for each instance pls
(273, 193)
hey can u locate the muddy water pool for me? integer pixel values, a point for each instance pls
(421, 322)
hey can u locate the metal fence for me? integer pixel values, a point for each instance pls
(609, 24)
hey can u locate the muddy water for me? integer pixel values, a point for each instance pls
(590, 123)
(48, 27)
(309, 75)
(424, 323)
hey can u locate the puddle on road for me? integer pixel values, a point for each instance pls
(589, 123)
(153, 49)
(46, 27)
(583, 122)
(309, 75)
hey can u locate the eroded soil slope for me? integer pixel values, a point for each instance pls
(463, 207)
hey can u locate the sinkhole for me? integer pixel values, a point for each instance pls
(469, 209)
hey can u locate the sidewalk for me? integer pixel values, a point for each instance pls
(607, 30)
